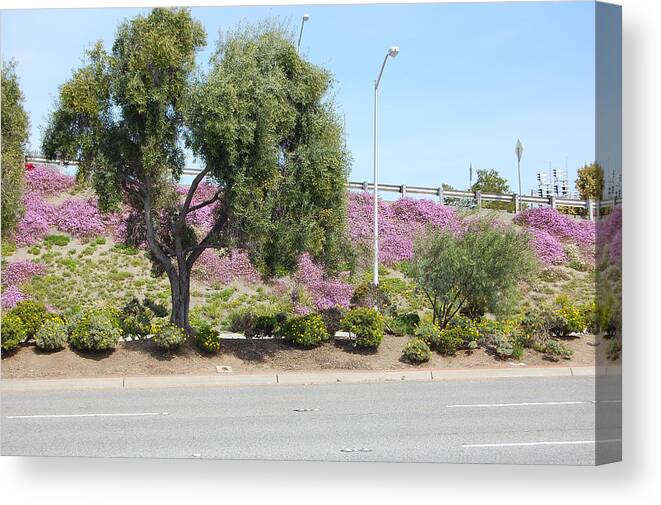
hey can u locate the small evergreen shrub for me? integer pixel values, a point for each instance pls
(167, 336)
(53, 335)
(428, 332)
(368, 296)
(262, 326)
(450, 339)
(241, 320)
(553, 350)
(32, 314)
(95, 329)
(403, 324)
(417, 351)
(306, 331)
(207, 338)
(13, 332)
(366, 324)
(135, 319)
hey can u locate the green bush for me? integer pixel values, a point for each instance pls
(429, 332)
(468, 329)
(262, 326)
(614, 349)
(417, 351)
(167, 336)
(59, 240)
(480, 268)
(553, 350)
(567, 319)
(135, 319)
(403, 324)
(366, 324)
(306, 331)
(13, 332)
(32, 314)
(95, 329)
(450, 339)
(207, 338)
(241, 320)
(53, 335)
(367, 295)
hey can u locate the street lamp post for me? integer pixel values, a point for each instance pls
(392, 52)
(518, 150)
(306, 17)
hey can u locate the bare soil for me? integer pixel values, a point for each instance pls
(255, 356)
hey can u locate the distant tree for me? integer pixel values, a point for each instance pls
(490, 181)
(264, 124)
(590, 181)
(479, 269)
(15, 123)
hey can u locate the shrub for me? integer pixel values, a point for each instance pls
(53, 335)
(241, 320)
(95, 330)
(135, 319)
(417, 351)
(59, 240)
(553, 350)
(449, 340)
(366, 324)
(429, 332)
(13, 332)
(403, 324)
(167, 336)
(467, 329)
(332, 319)
(306, 331)
(567, 319)
(262, 326)
(367, 295)
(32, 314)
(480, 268)
(207, 338)
(614, 349)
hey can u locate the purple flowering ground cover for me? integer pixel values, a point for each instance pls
(51, 206)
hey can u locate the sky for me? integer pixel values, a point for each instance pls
(470, 79)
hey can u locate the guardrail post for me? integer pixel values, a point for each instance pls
(365, 186)
(441, 196)
(552, 201)
(478, 199)
(590, 210)
(402, 190)
(515, 199)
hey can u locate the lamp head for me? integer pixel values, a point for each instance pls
(393, 51)
(306, 17)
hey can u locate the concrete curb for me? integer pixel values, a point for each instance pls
(301, 378)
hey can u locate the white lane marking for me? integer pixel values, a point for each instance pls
(120, 414)
(527, 404)
(559, 442)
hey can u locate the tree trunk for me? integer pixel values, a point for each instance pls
(180, 287)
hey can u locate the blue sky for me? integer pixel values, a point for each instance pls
(469, 80)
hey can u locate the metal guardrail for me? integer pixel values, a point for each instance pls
(593, 208)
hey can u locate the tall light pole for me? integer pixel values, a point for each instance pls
(518, 150)
(306, 17)
(392, 52)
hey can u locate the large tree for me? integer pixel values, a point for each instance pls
(490, 181)
(124, 117)
(14, 139)
(266, 128)
(590, 182)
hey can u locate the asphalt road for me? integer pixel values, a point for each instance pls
(548, 420)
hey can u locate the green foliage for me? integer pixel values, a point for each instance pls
(14, 135)
(95, 329)
(590, 182)
(553, 349)
(13, 332)
(490, 181)
(207, 338)
(53, 335)
(59, 240)
(125, 249)
(568, 319)
(135, 319)
(8, 248)
(366, 324)
(367, 295)
(167, 336)
(263, 326)
(158, 309)
(403, 324)
(614, 349)
(264, 122)
(416, 351)
(480, 268)
(306, 331)
(32, 314)
(449, 340)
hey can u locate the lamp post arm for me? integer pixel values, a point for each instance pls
(378, 79)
